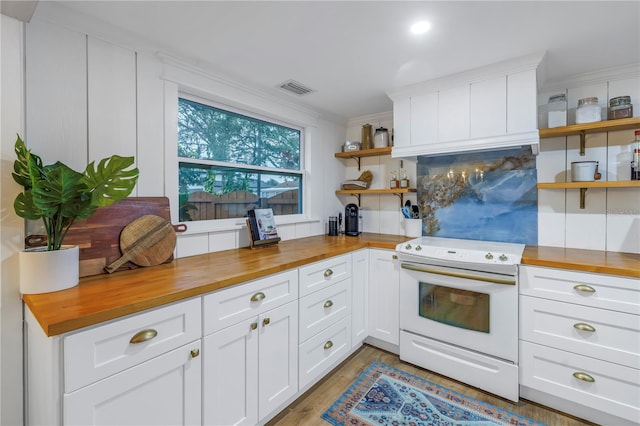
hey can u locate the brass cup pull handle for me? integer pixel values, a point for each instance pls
(582, 326)
(328, 273)
(328, 345)
(258, 297)
(584, 288)
(195, 353)
(143, 336)
(328, 304)
(254, 325)
(266, 321)
(394, 257)
(584, 377)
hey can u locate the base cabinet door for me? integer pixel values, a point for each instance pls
(165, 390)
(384, 282)
(230, 375)
(359, 297)
(251, 368)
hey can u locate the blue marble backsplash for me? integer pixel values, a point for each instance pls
(488, 196)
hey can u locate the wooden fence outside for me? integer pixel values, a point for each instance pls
(237, 203)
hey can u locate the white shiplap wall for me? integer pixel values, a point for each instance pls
(89, 97)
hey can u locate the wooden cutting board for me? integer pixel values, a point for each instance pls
(99, 235)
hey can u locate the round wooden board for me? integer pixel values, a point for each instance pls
(141, 226)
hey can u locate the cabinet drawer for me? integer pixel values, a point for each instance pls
(323, 308)
(615, 388)
(615, 336)
(99, 352)
(323, 351)
(597, 290)
(231, 305)
(326, 272)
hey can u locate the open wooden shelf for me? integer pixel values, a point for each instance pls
(596, 127)
(358, 192)
(374, 152)
(595, 184)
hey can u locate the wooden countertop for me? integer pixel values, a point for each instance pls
(602, 262)
(105, 297)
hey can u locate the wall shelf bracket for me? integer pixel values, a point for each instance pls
(401, 196)
(583, 193)
(357, 195)
(582, 143)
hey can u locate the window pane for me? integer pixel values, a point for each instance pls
(210, 192)
(209, 133)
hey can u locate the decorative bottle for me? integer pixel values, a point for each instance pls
(635, 159)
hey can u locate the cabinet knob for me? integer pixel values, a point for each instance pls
(254, 325)
(328, 304)
(258, 297)
(582, 326)
(143, 336)
(266, 321)
(195, 353)
(328, 273)
(394, 257)
(328, 345)
(584, 377)
(584, 288)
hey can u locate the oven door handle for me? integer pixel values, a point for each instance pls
(413, 267)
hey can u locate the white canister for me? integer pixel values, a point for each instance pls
(588, 110)
(381, 138)
(413, 227)
(583, 171)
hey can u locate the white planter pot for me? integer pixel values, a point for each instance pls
(43, 271)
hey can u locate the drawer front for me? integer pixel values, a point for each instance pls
(323, 351)
(99, 352)
(324, 273)
(323, 308)
(597, 290)
(231, 305)
(597, 333)
(615, 388)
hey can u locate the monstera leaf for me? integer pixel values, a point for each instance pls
(60, 195)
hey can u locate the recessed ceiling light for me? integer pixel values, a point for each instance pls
(420, 27)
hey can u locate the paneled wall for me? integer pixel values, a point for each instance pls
(88, 97)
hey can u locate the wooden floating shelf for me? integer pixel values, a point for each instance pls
(583, 186)
(596, 127)
(595, 184)
(374, 152)
(358, 192)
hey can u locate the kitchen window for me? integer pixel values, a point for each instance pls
(231, 161)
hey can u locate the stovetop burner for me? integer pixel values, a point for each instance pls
(463, 251)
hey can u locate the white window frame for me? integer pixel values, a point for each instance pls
(232, 223)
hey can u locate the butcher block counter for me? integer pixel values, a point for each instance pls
(104, 297)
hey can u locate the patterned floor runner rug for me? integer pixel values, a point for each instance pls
(383, 395)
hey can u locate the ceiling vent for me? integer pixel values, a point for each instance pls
(295, 87)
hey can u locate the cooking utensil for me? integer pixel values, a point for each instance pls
(415, 212)
(147, 241)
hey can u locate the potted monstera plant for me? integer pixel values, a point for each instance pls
(59, 195)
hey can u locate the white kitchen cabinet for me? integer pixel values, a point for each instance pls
(325, 316)
(250, 368)
(488, 107)
(384, 294)
(359, 296)
(580, 343)
(165, 390)
(117, 372)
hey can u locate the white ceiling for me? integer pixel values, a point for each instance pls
(352, 52)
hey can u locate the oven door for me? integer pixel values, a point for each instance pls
(472, 310)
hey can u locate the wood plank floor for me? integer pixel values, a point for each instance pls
(307, 409)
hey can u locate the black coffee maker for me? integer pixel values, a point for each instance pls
(351, 220)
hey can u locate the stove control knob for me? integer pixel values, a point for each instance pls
(408, 247)
(488, 256)
(503, 257)
(418, 248)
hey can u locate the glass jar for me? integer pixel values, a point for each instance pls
(588, 110)
(620, 107)
(557, 108)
